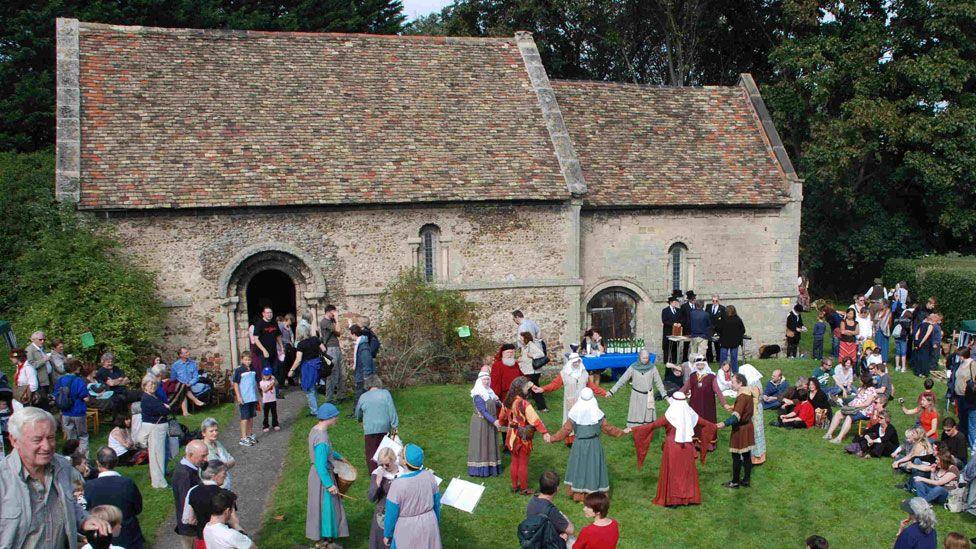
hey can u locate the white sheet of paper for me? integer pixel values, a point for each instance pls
(438, 479)
(394, 444)
(462, 495)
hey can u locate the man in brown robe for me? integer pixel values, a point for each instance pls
(743, 437)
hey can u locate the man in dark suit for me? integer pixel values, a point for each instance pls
(186, 476)
(716, 311)
(111, 488)
(685, 311)
(669, 316)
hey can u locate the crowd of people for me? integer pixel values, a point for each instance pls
(95, 504)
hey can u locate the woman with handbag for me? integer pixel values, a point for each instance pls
(522, 422)
(25, 379)
(861, 408)
(155, 428)
(533, 358)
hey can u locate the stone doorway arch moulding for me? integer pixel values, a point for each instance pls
(290, 260)
(643, 299)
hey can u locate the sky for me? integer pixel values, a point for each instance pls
(415, 8)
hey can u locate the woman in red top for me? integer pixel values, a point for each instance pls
(928, 416)
(604, 533)
(522, 421)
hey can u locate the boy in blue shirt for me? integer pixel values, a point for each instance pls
(73, 418)
(819, 329)
(246, 394)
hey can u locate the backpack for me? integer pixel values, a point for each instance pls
(62, 398)
(537, 532)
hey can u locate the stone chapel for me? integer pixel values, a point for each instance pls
(301, 169)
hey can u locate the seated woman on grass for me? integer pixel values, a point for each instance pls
(943, 478)
(879, 440)
(916, 455)
(861, 408)
(812, 405)
(928, 416)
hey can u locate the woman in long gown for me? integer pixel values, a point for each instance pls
(644, 378)
(702, 390)
(325, 516)
(379, 487)
(572, 379)
(413, 505)
(678, 477)
(587, 469)
(483, 452)
(754, 377)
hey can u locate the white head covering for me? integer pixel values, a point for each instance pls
(700, 359)
(586, 411)
(752, 374)
(481, 389)
(574, 366)
(682, 417)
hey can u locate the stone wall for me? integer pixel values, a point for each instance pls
(748, 257)
(505, 256)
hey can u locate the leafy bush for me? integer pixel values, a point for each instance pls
(418, 325)
(951, 279)
(65, 274)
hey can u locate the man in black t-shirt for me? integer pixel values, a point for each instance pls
(266, 336)
(112, 376)
(541, 504)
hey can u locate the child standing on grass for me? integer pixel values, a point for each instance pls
(819, 329)
(246, 394)
(604, 532)
(269, 400)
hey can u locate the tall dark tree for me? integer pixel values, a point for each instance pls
(27, 41)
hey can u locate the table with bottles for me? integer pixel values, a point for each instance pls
(620, 353)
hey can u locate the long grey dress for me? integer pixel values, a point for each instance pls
(644, 379)
(377, 494)
(318, 493)
(416, 526)
(587, 469)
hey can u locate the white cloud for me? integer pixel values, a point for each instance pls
(415, 8)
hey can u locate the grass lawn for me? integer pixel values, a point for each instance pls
(807, 485)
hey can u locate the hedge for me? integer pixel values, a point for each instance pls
(951, 279)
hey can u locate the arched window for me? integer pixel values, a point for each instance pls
(613, 312)
(678, 262)
(430, 237)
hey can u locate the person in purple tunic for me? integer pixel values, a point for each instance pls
(413, 505)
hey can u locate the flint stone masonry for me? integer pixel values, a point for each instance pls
(218, 155)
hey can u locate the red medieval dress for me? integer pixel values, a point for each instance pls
(678, 477)
(702, 391)
(502, 376)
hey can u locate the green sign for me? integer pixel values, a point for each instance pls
(87, 340)
(464, 331)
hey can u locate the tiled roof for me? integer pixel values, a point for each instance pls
(689, 147)
(188, 118)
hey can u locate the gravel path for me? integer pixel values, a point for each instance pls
(257, 470)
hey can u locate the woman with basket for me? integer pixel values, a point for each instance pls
(325, 516)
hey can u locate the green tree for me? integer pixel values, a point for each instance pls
(875, 101)
(27, 41)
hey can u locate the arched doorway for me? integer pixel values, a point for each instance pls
(613, 313)
(270, 288)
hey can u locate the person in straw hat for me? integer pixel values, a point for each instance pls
(325, 515)
(686, 435)
(587, 469)
(413, 505)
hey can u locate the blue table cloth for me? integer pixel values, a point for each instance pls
(613, 361)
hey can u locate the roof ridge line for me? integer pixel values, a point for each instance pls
(562, 143)
(190, 31)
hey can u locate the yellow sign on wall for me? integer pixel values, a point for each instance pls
(786, 301)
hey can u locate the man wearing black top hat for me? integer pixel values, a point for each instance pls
(669, 316)
(686, 321)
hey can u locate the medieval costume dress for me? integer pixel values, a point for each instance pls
(325, 518)
(643, 378)
(379, 487)
(573, 379)
(678, 478)
(503, 374)
(702, 389)
(754, 378)
(484, 459)
(413, 506)
(743, 438)
(522, 422)
(587, 469)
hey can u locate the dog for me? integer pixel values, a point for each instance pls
(769, 351)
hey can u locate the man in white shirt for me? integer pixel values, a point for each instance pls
(224, 529)
(527, 325)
